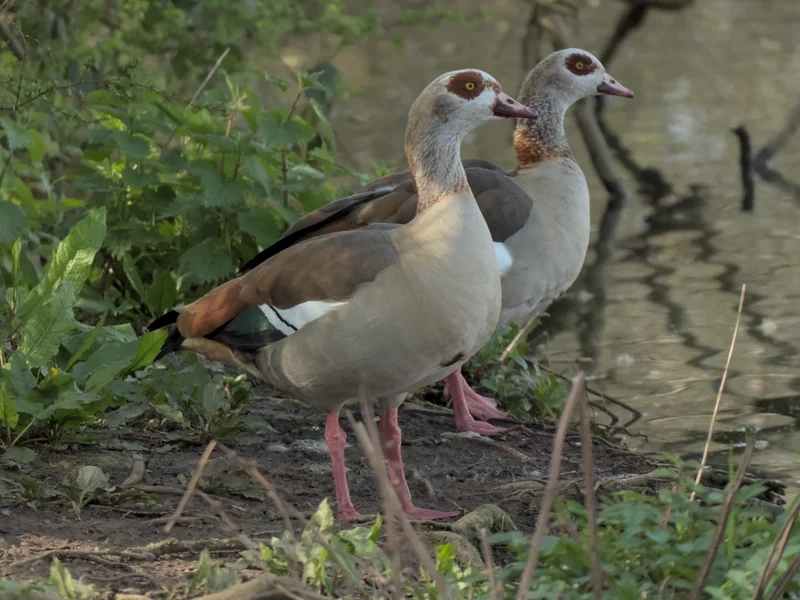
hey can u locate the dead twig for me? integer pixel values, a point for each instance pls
(552, 486)
(513, 344)
(746, 167)
(778, 548)
(590, 500)
(722, 524)
(198, 472)
(266, 587)
(719, 393)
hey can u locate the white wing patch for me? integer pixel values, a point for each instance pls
(289, 320)
(503, 256)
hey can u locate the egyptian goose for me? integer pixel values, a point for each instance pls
(385, 309)
(538, 214)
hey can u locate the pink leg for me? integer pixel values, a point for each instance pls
(336, 439)
(457, 387)
(478, 406)
(392, 438)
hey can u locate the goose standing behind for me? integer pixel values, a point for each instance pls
(386, 308)
(538, 214)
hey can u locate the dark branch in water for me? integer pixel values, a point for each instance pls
(746, 165)
(770, 149)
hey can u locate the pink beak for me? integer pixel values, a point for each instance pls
(506, 106)
(611, 87)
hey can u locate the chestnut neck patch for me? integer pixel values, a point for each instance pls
(580, 64)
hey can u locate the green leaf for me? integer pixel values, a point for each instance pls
(254, 167)
(132, 274)
(13, 222)
(47, 325)
(148, 348)
(213, 399)
(306, 171)
(16, 250)
(88, 484)
(86, 345)
(9, 417)
(104, 365)
(19, 376)
(38, 147)
(16, 136)
(132, 146)
(206, 262)
(278, 82)
(260, 223)
(68, 588)
(162, 293)
(277, 130)
(19, 455)
(220, 192)
(71, 262)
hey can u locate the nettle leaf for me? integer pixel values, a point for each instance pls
(221, 192)
(163, 292)
(13, 222)
(304, 170)
(71, 262)
(260, 223)
(38, 148)
(132, 146)
(16, 136)
(132, 273)
(206, 262)
(50, 322)
(278, 130)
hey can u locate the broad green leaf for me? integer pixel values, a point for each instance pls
(132, 146)
(218, 191)
(278, 82)
(9, 417)
(71, 262)
(277, 130)
(47, 325)
(104, 365)
(173, 116)
(254, 167)
(12, 222)
(111, 333)
(132, 273)
(87, 344)
(206, 262)
(306, 171)
(15, 135)
(148, 347)
(38, 147)
(19, 455)
(260, 223)
(162, 293)
(19, 379)
(213, 399)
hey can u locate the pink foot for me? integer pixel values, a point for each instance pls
(457, 387)
(425, 514)
(347, 512)
(483, 407)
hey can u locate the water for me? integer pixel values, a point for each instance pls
(654, 331)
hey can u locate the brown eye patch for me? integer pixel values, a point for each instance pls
(580, 64)
(468, 85)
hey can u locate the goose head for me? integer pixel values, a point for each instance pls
(573, 74)
(458, 101)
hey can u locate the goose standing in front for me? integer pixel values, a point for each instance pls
(538, 214)
(385, 309)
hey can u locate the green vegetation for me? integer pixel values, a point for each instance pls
(144, 155)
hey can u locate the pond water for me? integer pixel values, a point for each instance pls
(655, 329)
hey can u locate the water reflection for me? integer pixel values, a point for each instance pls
(653, 326)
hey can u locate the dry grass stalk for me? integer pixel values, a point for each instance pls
(368, 438)
(719, 393)
(719, 532)
(783, 583)
(590, 499)
(198, 472)
(495, 588)
(552, 486)
(389, 512)
(777, 551)
(513, 344)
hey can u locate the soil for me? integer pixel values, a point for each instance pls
(446, 471)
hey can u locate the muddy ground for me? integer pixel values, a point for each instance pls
(445, 471)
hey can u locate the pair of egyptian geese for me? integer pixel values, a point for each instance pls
(395, 287)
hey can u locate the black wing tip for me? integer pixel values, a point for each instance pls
(167, 318)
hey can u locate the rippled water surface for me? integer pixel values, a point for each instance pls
(655, 328)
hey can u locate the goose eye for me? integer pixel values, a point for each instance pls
(469, 86)
(579, 66)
